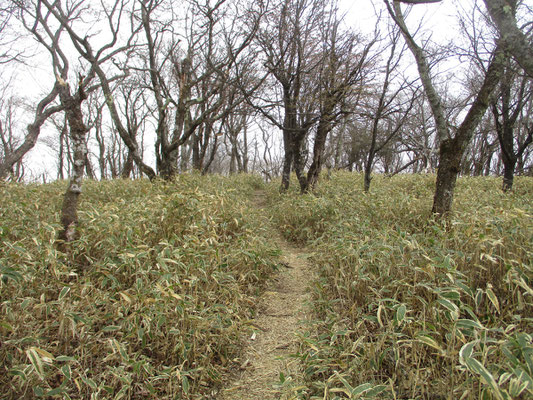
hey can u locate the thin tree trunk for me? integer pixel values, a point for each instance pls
(61, 155)
(368, 170)
(508, 175)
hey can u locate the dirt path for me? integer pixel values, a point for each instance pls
(280, 315)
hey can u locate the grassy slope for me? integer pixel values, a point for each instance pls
(149, 303)
(409, 308)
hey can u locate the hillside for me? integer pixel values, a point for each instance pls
(159, 295)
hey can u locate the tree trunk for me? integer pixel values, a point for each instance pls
(169, 165)
(185, 156)
(78, 131)
(128, 166)
(233, 161)
(452, 150)
(368, 171)
(508, 155)
(323, 129)
(61, 155)
(196, 151)
(287, 162)
(508, 174)
(212, 155)
(449, 165)
(88, 166)
(299, 163)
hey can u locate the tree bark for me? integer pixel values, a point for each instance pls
(449, 167)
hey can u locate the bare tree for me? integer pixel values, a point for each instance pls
(390, 103)
(237, 141)
(77, 131)
(37, 20)
(314, 67)
(10, 49)
(452, 147)
(196, 89)
(419, 140)
(46, 107)
(340, 78)
(106, 54)
(513, 95)
(291, 49)
(9, 139)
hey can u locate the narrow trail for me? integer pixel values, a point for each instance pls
(280, 315)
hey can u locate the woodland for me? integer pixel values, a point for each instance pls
(211, 155)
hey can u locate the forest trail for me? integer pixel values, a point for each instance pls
(280, 315)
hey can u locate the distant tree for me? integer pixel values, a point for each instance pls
(483, 148)
(513, 95)
(237, 140)
(507, 102)
(271, 160)
(195, 88)
(10, 49)
(288, 40)
(392, 107)
(132, 103)
(341, 77)
(314, 67)
(9, 139)
(418, 139)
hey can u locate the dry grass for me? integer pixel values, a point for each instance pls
(406, 307)
(150, 302)
(153, 299)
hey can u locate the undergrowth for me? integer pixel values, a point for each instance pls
(406, 307)
(149, 302)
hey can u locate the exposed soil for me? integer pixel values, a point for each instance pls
(280, 315)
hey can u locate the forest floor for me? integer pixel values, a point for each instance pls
(281, 315)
